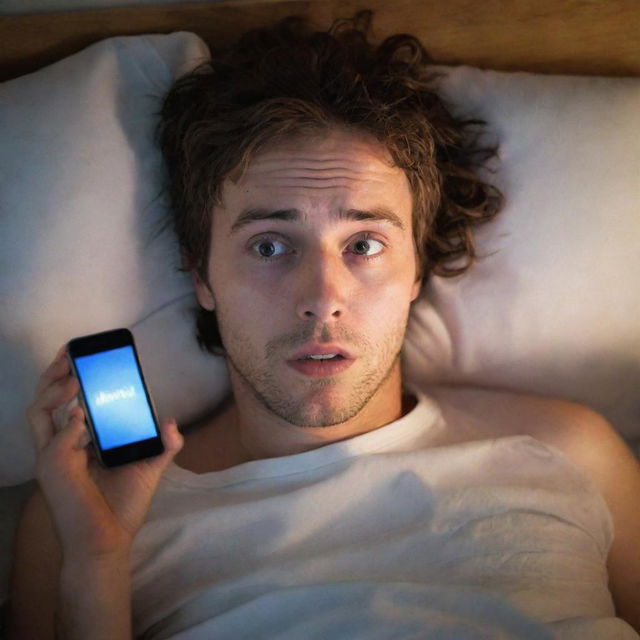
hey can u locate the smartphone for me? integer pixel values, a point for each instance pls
(118, 407)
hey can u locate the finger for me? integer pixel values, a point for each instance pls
(76, 435)
(58, 367)
(63, 474)
(60, 415)
(64, 454)
(173, 442)
(77, 411)
(41, 425)
(73, 441)
(172, 439)
(84, 437)
(57, 393)
(39, 413)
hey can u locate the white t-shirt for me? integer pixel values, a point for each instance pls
(380, 536)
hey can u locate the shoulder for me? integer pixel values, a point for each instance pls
(593, 444)
(581, 433)
(482, 412)
(588, 440)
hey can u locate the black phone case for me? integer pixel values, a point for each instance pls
(132, 452)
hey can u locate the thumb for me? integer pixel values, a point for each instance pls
(173, 442)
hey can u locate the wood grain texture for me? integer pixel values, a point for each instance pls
(586, 37)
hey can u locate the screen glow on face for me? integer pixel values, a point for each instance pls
(115, 397)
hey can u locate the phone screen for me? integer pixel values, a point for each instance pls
(115, 397)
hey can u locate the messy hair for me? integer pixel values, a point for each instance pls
(287, 80)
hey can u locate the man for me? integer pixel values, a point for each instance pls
(315, 184)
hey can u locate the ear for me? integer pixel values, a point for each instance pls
(415, 290)
(203, 293)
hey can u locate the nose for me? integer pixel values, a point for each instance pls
(322, 288)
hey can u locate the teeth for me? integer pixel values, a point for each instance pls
(325, 357)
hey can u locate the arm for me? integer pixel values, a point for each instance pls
(593, 444)
(35, 571)
(91, 517)
(51, 597)
(94, 599)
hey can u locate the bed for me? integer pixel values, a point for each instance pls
(552, 309)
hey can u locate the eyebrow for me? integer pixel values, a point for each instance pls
(254, 214)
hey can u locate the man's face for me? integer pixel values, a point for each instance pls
(279, 285)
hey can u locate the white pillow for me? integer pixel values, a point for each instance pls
(80, 250)
(556, 310)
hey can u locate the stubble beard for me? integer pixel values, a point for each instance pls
(328, 409)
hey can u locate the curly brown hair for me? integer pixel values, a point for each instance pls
(286, 80)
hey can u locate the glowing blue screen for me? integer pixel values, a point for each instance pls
(115, 397)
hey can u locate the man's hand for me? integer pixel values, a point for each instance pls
(96, 511)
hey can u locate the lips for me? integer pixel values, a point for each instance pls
(315, 349)
(321, 368)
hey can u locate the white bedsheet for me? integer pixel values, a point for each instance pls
(380, 536)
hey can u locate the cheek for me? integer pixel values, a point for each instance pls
(382, 307)
(242, 307)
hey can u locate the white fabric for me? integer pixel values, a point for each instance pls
(554, 312)
(380, 536)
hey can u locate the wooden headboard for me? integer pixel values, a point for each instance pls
(585, 37)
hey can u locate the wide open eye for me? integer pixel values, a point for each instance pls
(365, 244)
(266, 248)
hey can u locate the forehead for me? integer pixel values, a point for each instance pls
(335, 150)
(335, 170)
